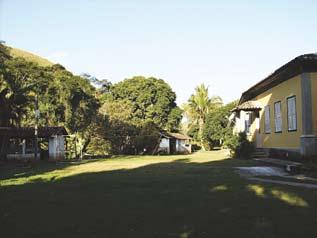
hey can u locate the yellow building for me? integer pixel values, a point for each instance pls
(279, 114)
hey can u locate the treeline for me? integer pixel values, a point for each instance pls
(121, 118)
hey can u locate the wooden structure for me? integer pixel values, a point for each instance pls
(174, 143)
(19, 142)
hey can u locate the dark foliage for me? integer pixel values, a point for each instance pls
(239, 145)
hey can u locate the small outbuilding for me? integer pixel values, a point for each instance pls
(174, 143)
(20, 142)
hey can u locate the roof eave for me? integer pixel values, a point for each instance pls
(299, 65)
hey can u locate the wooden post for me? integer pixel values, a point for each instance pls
(37, 114)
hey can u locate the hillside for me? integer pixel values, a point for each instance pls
(29, 56)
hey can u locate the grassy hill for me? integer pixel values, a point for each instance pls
(29, 56)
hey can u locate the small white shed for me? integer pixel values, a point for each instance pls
(175, 143)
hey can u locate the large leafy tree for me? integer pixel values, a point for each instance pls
(136, 110)
(150, 99)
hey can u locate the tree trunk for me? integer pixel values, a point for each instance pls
(4, 143)
(201, 126)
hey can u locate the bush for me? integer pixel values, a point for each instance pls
(240, 146)
(98, 146)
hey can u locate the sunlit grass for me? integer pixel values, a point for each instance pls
(289, 198)
(257, 189)
(219, 188)
(117, 163)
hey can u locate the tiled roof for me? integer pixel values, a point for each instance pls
(248, 105)
(178, 136)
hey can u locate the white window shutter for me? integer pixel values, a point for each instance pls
(291, 107)
(289, 114)
(278, 117)
(294, 114)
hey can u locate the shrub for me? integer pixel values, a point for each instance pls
(98, 146)
(240, 146)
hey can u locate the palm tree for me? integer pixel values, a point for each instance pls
(197, 108)
(14, 98)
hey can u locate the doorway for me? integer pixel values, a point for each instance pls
(258, 136)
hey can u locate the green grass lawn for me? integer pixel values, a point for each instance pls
(197, 195)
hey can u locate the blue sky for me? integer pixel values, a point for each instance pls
(228, 45)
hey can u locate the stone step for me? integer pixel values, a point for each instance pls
(259, 153)
(259, 156)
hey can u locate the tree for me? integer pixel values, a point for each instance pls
(174, 119)
(150, 98)
(126, 134)
(117, 110)
(136, 110)
(103, 85)
(216, 127)
(16, 86)
(64, 99)
(197, 108)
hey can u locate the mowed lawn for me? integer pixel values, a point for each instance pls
(198, 195)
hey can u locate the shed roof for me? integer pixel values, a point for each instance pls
(178, 136)
(24, 132)
(301, 64)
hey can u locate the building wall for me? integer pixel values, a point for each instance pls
(239, 123)
(56, 148)
(314, 100)
(281, 92)
(182, 146)
(165, 145)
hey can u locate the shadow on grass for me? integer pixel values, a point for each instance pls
(170, 199)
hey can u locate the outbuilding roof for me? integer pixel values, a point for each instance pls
(178, 136)
(301, 64)
(24, 132)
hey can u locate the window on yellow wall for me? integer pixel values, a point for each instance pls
(291, 114)
(278, 116)
(247, 122)
(267, 126)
